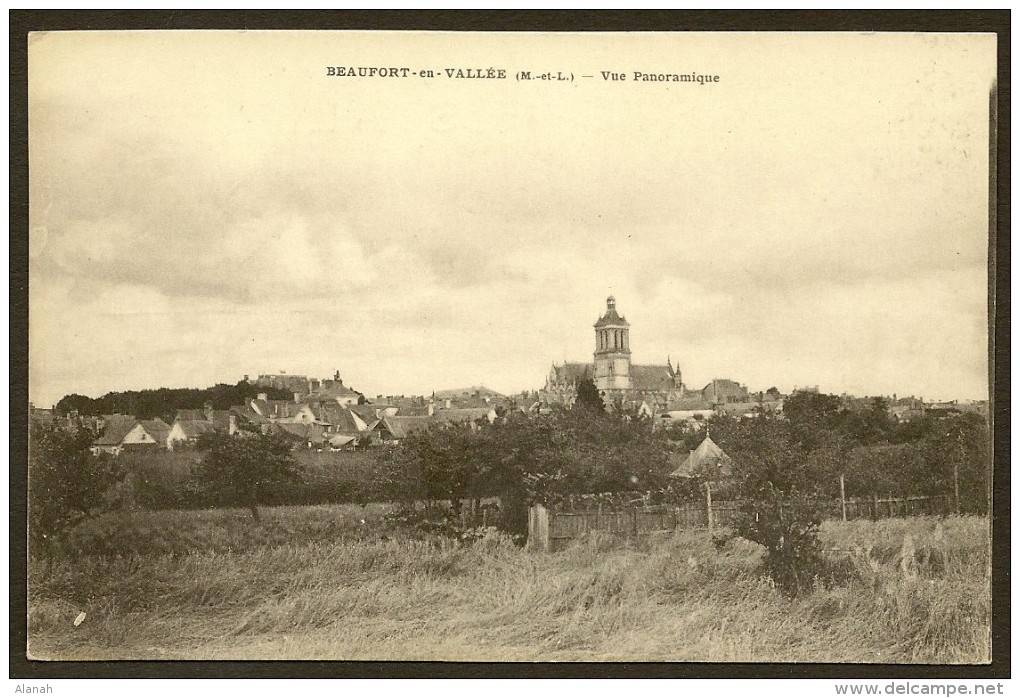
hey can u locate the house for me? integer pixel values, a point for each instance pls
(723, 391)
(186, 432)
(332, 391)
(43, 415)
(132, 434)
(707, 460)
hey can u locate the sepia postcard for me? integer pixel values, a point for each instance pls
(515, 346)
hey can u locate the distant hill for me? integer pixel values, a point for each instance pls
(473, 391)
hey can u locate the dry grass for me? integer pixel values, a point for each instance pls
(359, 596)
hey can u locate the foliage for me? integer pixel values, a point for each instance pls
(783, 466)
(523, 461)
(244, 470)
(776, 483)
(588, 397)
(66, 482)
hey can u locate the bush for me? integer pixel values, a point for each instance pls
(789, 533)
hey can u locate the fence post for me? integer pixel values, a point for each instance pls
(633, 522)
(874, 507)
(956, 485)
(538, 528)
(842, 496)
(708, 505)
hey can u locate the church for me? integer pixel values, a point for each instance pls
(626, 385)
(621, 383)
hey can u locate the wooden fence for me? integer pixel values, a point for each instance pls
(550, 530)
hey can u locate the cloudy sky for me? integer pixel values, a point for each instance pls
(206, 205)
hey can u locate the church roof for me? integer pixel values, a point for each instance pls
(611, 317)
(573, 372)
(651, 377)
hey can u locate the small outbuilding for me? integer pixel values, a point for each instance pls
(707, 460)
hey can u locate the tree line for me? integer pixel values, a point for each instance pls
(164, 402)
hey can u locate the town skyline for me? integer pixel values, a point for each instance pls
(218, 206)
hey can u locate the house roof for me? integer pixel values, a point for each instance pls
(194, 428)
(220, 419)
(156, 428)
(189, 415)
(115, 431)
(341, 418)
(370, 412)
(247, 414)
(278, 409)
(331, 389)
(399, 427)
(313, 433)
(723, 386)
(465, 414)
(706, 459)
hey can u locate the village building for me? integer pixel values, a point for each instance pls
(121, 435)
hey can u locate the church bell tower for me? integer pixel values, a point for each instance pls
(612, 350)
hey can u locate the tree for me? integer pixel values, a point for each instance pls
(74, 402)
(66, 482)
(811, 416)
(588, 397)
(243, 470)
(438, 464)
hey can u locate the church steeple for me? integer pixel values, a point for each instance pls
(612, 349)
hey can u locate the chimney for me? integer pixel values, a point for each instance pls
(336, 377)
(432, 409)
(207, 408)
(246, 378)
(233, 425)
(298, 396)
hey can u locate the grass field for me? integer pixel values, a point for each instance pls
(333, 582)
